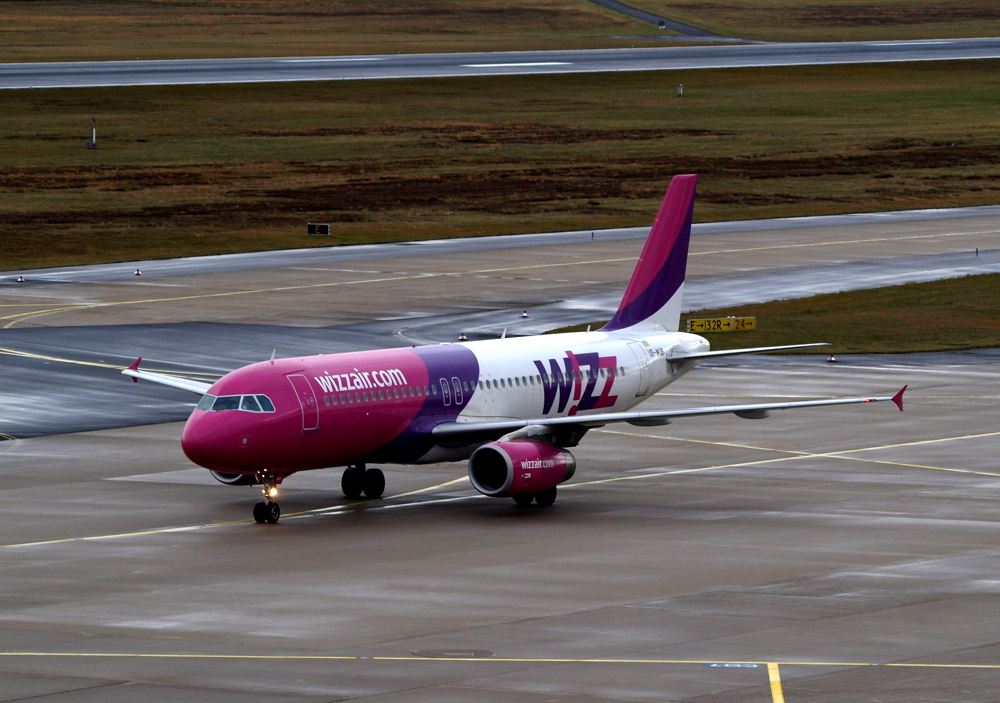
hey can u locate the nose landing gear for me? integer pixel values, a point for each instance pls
(268, 510)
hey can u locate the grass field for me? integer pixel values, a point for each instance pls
(942, 315)
(835, 20)
(70, 30)
(208, 169)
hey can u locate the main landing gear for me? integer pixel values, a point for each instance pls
(358, 480)
(268, 510)
(542, 500)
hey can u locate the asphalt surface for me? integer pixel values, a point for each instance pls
(325, 68)
(855, 547)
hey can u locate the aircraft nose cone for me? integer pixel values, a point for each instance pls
(201, 442)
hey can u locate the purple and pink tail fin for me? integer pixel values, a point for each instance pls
(653, 296)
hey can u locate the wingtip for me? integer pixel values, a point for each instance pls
(898, 398)
(135, 367)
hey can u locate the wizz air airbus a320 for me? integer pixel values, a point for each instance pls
(512, 407)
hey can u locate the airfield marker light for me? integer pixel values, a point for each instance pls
(462, 337)
(680, 91)
(138, 272)
(831, 359)
(20, 279)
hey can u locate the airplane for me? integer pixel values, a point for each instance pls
(513, 407)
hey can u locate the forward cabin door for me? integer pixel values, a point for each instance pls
(307, 401)
(643, 359)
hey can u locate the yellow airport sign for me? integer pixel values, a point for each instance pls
(722, 324)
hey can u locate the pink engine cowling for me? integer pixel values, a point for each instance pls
(518, 468)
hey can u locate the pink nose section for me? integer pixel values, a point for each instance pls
(201, 442)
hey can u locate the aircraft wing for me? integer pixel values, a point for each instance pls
(184, 384)
(499, 428)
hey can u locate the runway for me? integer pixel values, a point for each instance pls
(327, 68)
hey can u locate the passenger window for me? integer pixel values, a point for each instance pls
(326, 399)
(366, 396)
(395, 393)
(509, 384)
(381, 395)
(265, 403)
(419, 394)
(524, 381)
(342, 399)
(250, 403)
(502, 384)
(517, 381)
(334, 399)
(206, 402)
(434, 390)
(350, 398)
(226, 402)
(357, 397)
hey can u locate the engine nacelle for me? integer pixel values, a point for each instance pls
(519, 468)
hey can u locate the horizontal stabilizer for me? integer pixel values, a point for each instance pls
(737, 352)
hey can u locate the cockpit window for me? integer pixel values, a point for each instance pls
(247, 403)
(226, 402)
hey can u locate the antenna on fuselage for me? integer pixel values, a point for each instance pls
(504, 335)
(273, 352)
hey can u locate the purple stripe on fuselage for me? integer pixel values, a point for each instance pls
(446, 363)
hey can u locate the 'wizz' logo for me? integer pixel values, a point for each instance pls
(576, 380)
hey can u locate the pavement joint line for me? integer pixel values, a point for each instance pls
(824, 455)
(483, 660)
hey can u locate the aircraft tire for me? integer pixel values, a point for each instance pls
(352, 483)
(546, 498)
(272, 513)
(258, 512)
(374, 483)
(523, 501)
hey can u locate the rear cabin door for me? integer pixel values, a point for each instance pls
(307, 401)
(643, 359)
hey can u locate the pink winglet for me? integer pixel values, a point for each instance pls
(898, 398)
(135, 367)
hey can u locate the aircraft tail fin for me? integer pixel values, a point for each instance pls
(653, 296)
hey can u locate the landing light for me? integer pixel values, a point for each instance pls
(272, 492)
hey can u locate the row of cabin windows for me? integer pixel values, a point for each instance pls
(558, 377)
(249, 403)
(396, 393)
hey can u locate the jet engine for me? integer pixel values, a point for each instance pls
(519, 468)
(233, 479)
